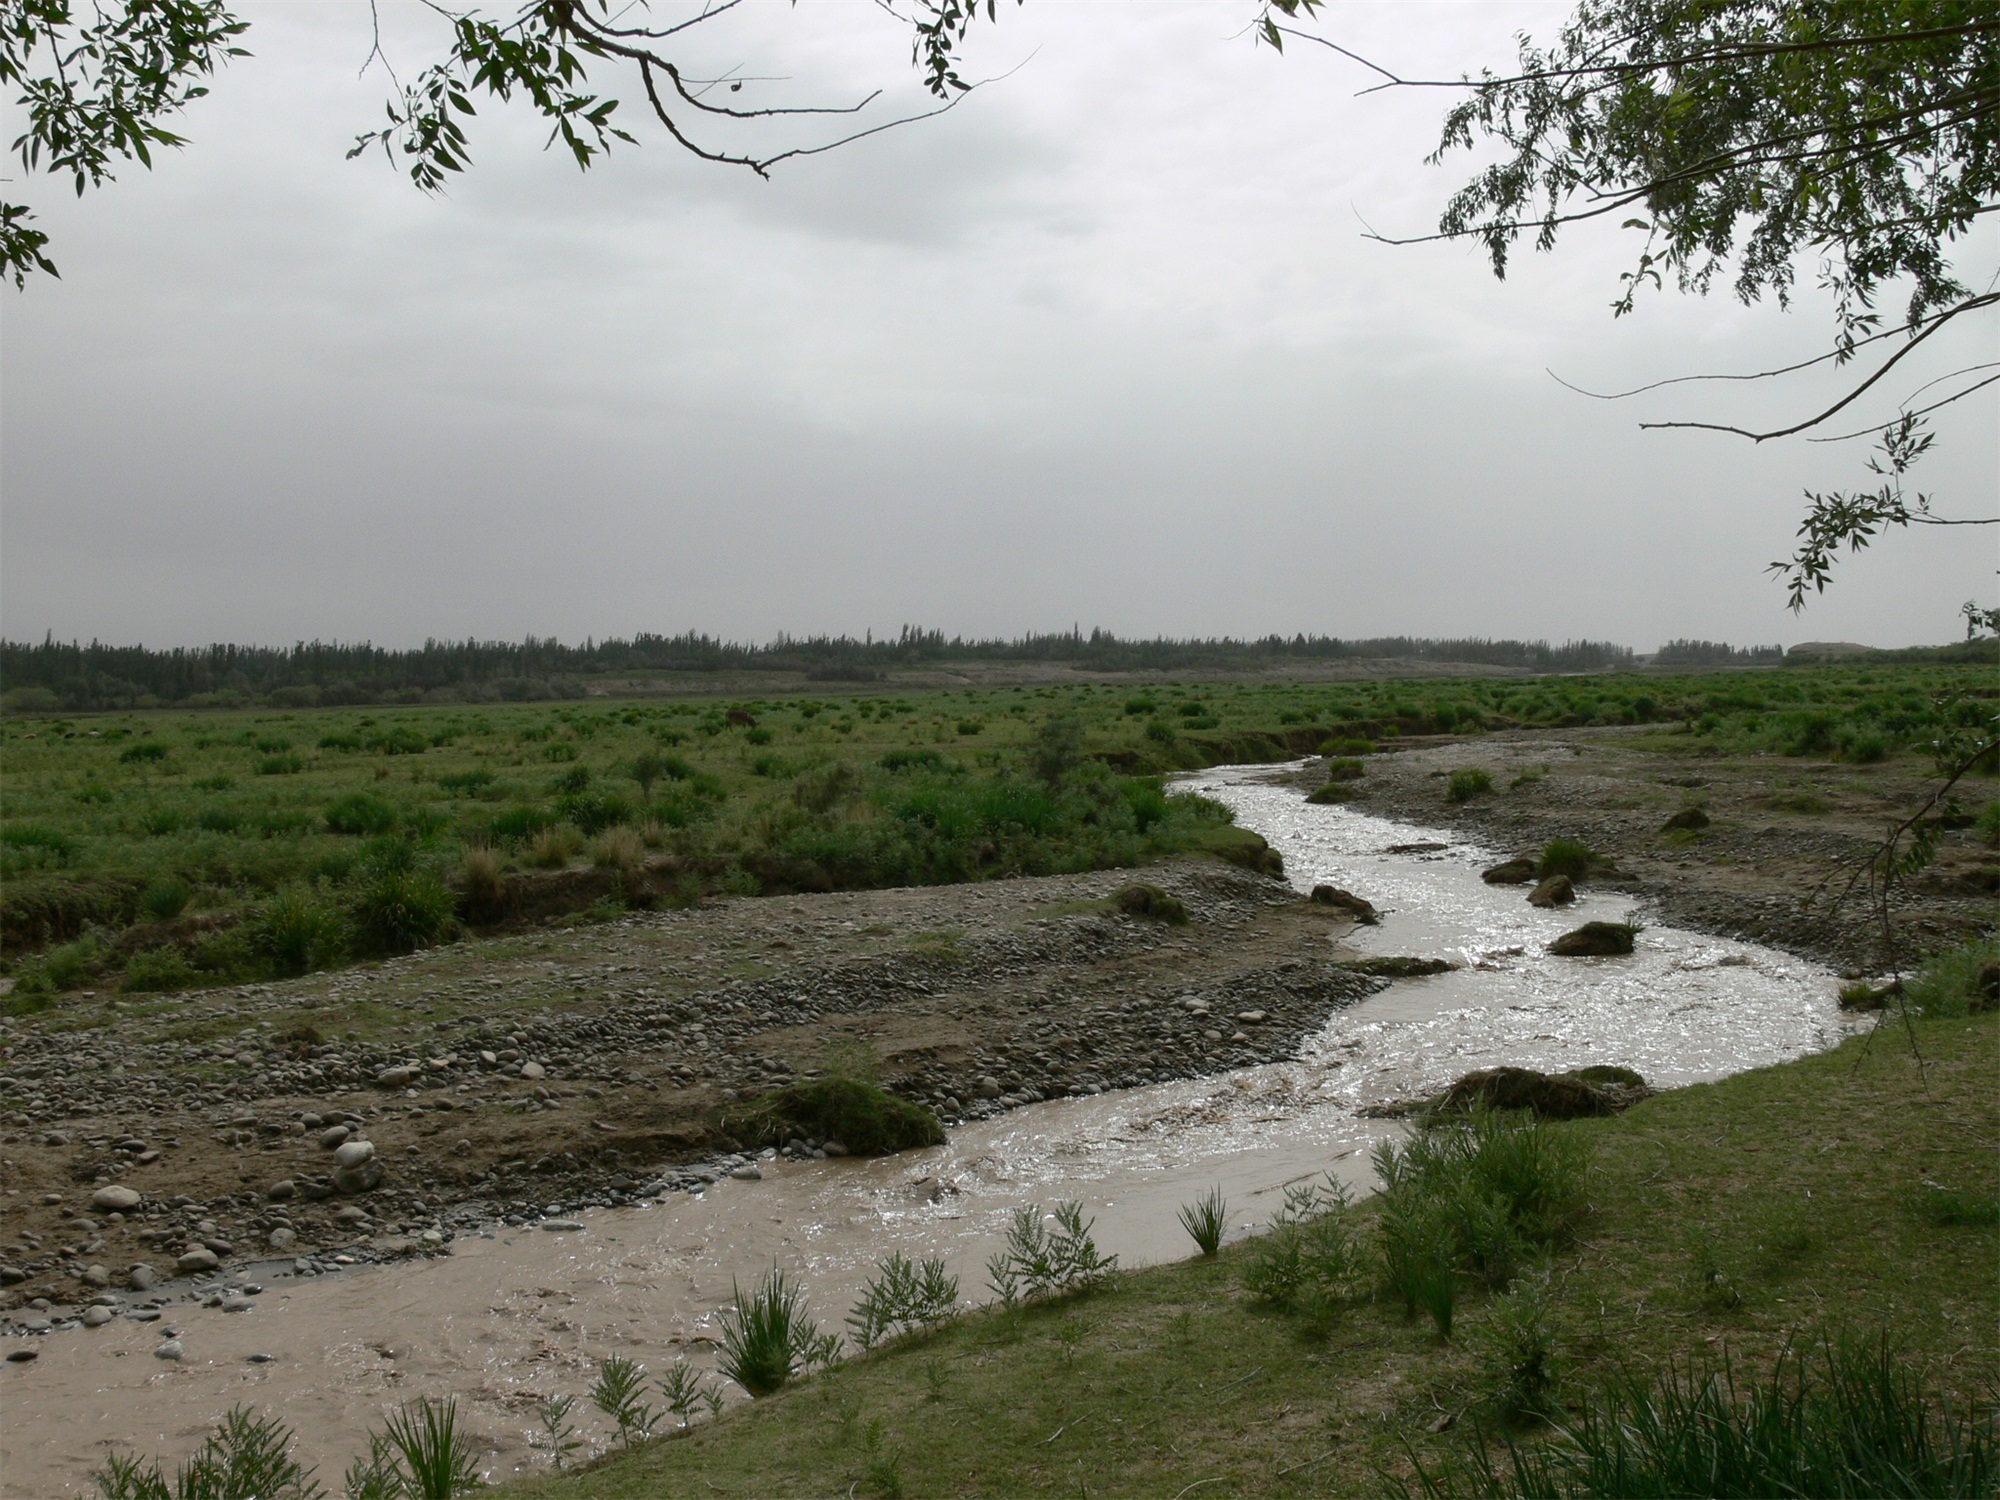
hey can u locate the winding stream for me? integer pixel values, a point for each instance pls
(521, 1314)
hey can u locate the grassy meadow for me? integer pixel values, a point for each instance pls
(1836, 1201)
(162, 849)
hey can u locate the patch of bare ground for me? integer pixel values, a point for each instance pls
(595, 1064)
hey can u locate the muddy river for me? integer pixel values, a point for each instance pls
(521, 1314)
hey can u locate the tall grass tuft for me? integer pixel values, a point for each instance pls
(400, 911)
(1468, 783)
(1571, 857)
(769, 1337)
(299, 930)
(420, 1455)
(1205, 1219)
(1849, 1424)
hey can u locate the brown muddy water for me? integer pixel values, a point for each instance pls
(512, 1317)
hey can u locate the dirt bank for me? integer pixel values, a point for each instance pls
(1782, 838)
(495, 1079)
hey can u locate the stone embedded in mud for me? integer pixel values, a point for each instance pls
(1557, 890)
(353, 1153)
(116, 1199)
(333, 1135)
(95, 1276)
(1347, 901)
(1250, 1017)
(988, 1088)
(12, 1275)
(172, 1349)
(95, 1317)
(363, 1177)
(533, 1070)
(142, 1277)
(396, 1078)
(282, 1238)
(1687, 817)
(1513, 872)
(1595, 940)
(199, 1259)
(571, 1226)
(282, 1191)
(747, 1173)
(1151, 901)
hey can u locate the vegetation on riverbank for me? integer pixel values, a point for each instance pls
(1722, 1226)
(159, 851)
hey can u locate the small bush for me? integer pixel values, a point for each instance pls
(1571, 857)
(1160, 732)
(1950, 1208)
(903, 1296)
(1961, 981)
(160, 971)
(145, 752)
(281, 765)
(1151, 901)
(164, 900)
(1309, 1259)
(618, 1393)
(769, 1337)
(1866, 747)
(245, 1458)
(297, 931)
(400, 911)
(1040, 1264)
(1516, 1351)
(67, 966)
(482, 878)
(1467, 783)
(969, 727)
(593, 812)
(517, 824)
(621, 849)
(1205, 1220)
(360, 813)
(555, 847)
(466, 783)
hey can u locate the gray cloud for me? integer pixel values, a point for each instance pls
(1104, 345)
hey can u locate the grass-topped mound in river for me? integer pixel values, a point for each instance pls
(1846, 1195)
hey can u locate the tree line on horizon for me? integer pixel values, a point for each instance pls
(51, 674)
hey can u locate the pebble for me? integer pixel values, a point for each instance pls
(282, 1238)
(22, 1356)
(747, 1173)
(144, 1315)
(561, 1226)
(282, 1191)
(353, 1153)
(202, 1259)
(170, 1350)
(533, 1070)
(143, 1277)
(332, 1136)
(115, 1199)
(96, 1317)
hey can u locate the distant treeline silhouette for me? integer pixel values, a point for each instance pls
(1714, 654)
(56, 674)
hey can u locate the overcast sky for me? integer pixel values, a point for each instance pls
(1106, 345)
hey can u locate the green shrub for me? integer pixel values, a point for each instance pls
(143, 752)
(398, 739)
(1345, 768)
(1956, 982)
(518, 823)
(1309, 1259)
(1988, 821)
(969, 727)
(1515, 1350)
(281, 765)
(593, 812)
(1160, 732)
(769, 1337)
(67, 966)
(423, 1455)
(1866, 747)
(245, 1458)
(1951, 1208)
(339, 740)
(297, 931)
(1467, 783)
(466, 783)
(160, 970)
(903, 1296)
(360, 813)
(1041, 1264)
(400, 911)
(164, 900)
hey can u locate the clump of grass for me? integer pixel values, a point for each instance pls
(360, 814)
(160, 971)
(1042, 1264)
(1958, 982)
(1987, 823)
(1467, 783)
(1709, 1280)
(246, 1455)
(482, 877)
(298, 931)
(1565, 856)
(1951, 1208)
(1345, 768)
(1205, 1219)
(860, 1114)
(620, 849)
(400, 911)
(422, 1455)
(903, 1296)
(164, 900)
(555, 847)
(769, 1337)
(1852, 1423)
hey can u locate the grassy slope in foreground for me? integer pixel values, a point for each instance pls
(1798, 1179)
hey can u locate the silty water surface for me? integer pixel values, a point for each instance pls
(523, 1314)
